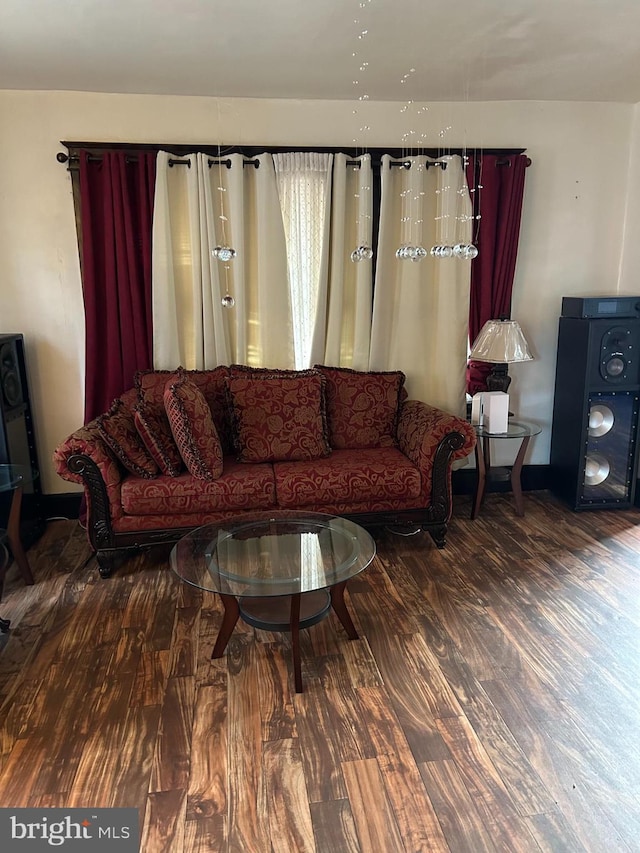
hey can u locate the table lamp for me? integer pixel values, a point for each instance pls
(500, 342)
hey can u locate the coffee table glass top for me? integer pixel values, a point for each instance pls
(266, 556)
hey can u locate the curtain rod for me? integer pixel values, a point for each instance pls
(251, 151)
(73, 160)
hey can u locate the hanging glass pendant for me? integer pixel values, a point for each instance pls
(466, 251)
(224, 253)
(441, 251)
(411, 253)
(362, 253)
(228, 301)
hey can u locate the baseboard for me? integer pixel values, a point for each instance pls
(534, 478)
(64, 505)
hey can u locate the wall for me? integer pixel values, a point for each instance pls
(571, 239)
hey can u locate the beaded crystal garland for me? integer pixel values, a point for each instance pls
(223, 253)
(363, 252)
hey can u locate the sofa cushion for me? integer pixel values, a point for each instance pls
(278, 415)
(362, 406)
(118, 430)
(346, 477)
(240, 487)
(193, 428)
(151, 384)
(154, 429)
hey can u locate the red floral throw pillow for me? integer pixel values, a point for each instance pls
(278, 415)
(118, 430)
(193, 428)
(151, 385)
(154, 429)
(362, 406)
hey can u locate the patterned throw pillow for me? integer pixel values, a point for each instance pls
(193, 428)
(154, 429)
(278, 415)
(118, 430)
(151, 385)
(362, 406)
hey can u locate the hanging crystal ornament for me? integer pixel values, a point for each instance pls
(228, 301)
(224, 253)
(362, 253)
(465, 251)
(442, 251)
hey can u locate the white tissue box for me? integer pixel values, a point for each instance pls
(495, 411)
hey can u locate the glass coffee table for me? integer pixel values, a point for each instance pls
(278, 573)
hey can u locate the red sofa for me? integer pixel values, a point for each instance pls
(186, 448)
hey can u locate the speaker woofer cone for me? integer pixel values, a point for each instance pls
(601, 420)
(615, 367)
(596, 469)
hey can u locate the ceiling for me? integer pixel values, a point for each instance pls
(577, 50)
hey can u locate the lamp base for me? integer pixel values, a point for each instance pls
(498, 379)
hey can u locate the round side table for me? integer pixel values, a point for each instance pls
(522, 430)
(12, 479)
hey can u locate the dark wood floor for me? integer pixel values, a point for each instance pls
(491, 704)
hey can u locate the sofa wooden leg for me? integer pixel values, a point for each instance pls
(439, 535)
(105, 563)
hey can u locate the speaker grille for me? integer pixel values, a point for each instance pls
(609, 447)
(10, 376)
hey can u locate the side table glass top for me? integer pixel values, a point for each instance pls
(515, 429)
(265, 556)
(11, 476)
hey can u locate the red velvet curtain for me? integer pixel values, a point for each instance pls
(498, 184)
(116, 206)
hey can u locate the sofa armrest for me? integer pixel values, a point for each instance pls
(84, 458)
(432, 439)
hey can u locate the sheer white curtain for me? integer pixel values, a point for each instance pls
(421, 309)
(198, 207)
(304, 187)
(342, 333)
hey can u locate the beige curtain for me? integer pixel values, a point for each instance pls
(342, 334)
(421, 309)
(198, 207)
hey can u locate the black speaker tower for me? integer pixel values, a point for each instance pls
(17, 438)
(594, 439)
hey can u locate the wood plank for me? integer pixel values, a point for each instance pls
(207, 835)
(320, 756)
(285, 791)
(333, 827)
(485, 785)
(172, 756)
(183, 660)
(208, 790)
(415, 817)
(276, 702)
(461, 823)
(248, 808)
(163, 828)
(374, 819)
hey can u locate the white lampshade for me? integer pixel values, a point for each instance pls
(500, 342)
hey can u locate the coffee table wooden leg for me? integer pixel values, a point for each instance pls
(231, 616)
(337, 602)
(13, 537)
(295, 641)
